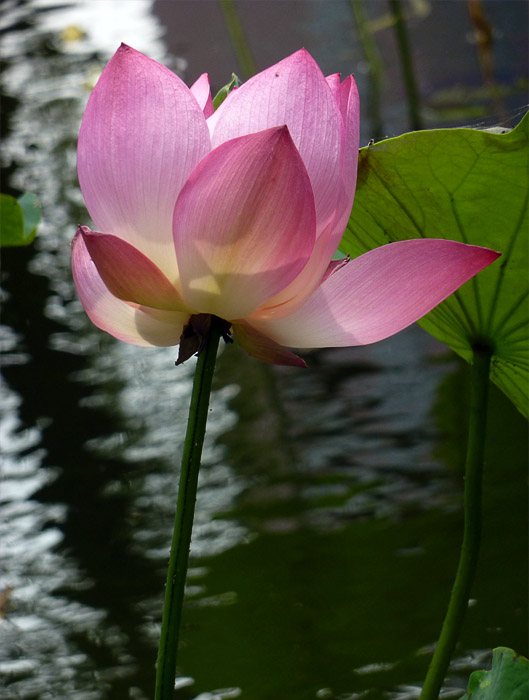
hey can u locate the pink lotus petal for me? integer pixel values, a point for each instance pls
(293, 296)
(262, 348)
(333, 81)
(292, 92)
(202, 92)
(142, 134)
(244, 224)
(378, 294)
(129, 274)
(299, 290)
(334, 266)
(139, 326)
(213, 119)
(348, 101)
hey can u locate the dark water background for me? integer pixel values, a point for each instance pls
(329, 510)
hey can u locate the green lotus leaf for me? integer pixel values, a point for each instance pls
(470, 186)
(19, 219)
(508, 678)
(32, 216)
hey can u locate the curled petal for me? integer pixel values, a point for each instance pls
(128, 273)
(378, 294)
(244, 224)
(142, 134)
(334, 266)
(127, 322)
(202, 92)
(292, 92)
(348, 101)
(262, 348)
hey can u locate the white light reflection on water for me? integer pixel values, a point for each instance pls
(35, 655)
(101, 25)
(58, 639)
(155, 399)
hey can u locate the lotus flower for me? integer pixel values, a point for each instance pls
(237, 213)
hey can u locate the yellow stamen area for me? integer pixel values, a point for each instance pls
(207, 284)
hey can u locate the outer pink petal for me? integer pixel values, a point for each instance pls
(293, 296)
(202, 92)
(139, 326)
(142, 134)
(244, 224)
(379, 294)
(128, 273)
(348, 101)
(300, 289)
(293, 92)
(262, 348)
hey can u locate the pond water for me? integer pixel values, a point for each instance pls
(329, 510)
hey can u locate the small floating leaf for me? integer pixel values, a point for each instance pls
(32, 215)
(470, 186)
(19, 219)
(508, 678)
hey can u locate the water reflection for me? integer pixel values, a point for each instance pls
(83, 26)
(369, 453)
(91, 429)
(325, 511)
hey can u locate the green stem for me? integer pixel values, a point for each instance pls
(472, 529)
(407, 65)
(374, 61)
(238, 38)
(185, 510)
